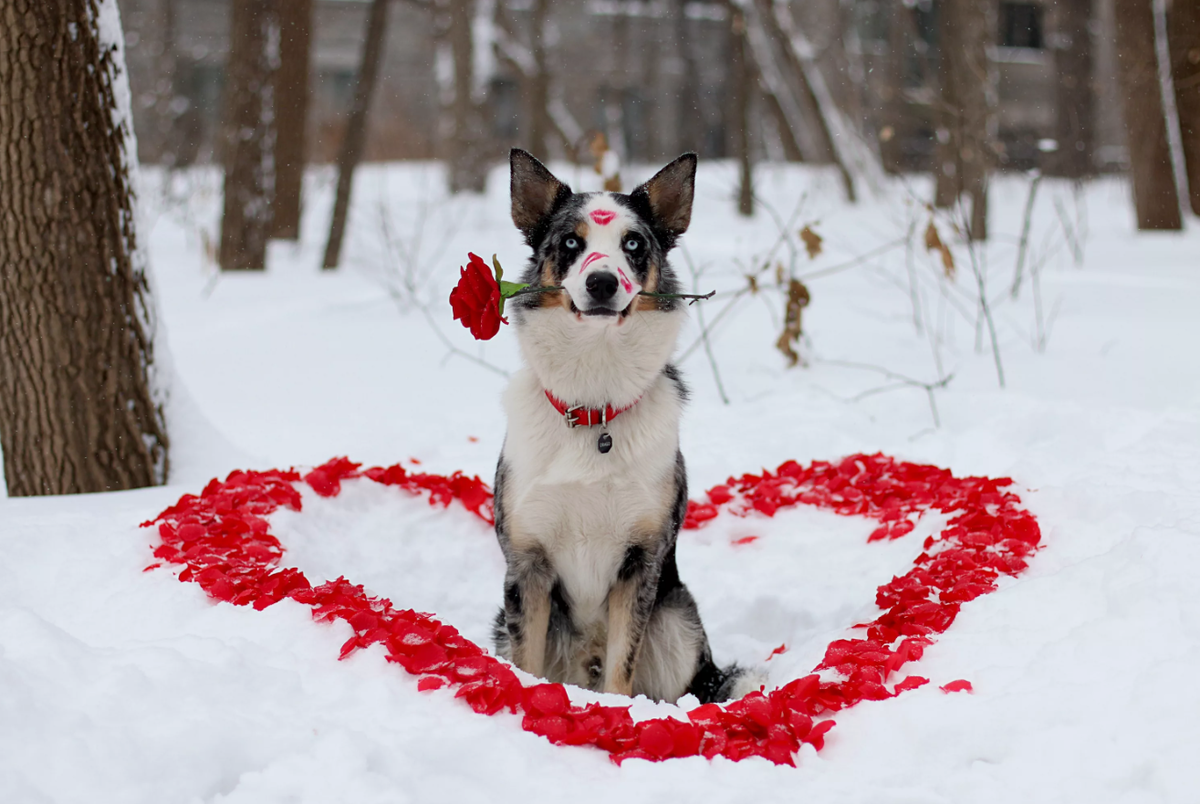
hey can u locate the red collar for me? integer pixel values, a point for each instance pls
(579, 416)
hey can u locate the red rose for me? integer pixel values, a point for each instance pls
(476, 299)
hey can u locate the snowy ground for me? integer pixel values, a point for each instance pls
(118, 685)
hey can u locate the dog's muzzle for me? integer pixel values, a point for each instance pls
(601, 286)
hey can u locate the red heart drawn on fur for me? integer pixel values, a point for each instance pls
(222, 540)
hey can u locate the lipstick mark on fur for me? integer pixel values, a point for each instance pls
(603, 216)
(625, 283)
(591, 258)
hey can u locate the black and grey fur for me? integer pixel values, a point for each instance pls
(592, 594)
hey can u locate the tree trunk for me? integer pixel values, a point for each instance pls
(538, 84)
(467, 162)
(1154, 193)
(1073, 62)
(291, 115)
(772, 30)
(979, 101)
(792, 151)
(948, 113)
(156, 141)
(689, 121)
(741, 78)
(963, 155)
(76, 313)
(1183, 33)
(893, 106)
(248, 134)
(356, 128)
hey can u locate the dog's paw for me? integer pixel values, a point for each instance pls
(742, 681)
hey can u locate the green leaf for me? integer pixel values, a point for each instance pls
(510, 289)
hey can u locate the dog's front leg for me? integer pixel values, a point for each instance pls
(527, 586)
(630, 603)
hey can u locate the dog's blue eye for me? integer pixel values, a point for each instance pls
(633, 244)
(571, 242)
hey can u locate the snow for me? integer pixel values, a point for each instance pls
(111, 38)
(118, 685)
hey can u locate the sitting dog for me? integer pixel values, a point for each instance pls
(591, 488)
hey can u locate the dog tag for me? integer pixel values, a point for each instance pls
(604, 443)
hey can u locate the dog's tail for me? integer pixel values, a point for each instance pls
(713, 684)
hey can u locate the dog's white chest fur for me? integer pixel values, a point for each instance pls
(580, 505)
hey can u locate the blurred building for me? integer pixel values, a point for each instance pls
(650, 74)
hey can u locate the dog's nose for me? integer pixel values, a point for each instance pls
(602, 286)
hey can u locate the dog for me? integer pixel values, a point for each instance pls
(591, 489)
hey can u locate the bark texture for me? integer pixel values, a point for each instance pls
(1183, 33)
(1073, 60)
(356, 128)
(248, 134)
(76, 411)
(1150, 169)
(291, 115)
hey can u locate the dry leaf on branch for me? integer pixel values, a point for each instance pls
(812, 241)
(604, 167)
(598, 145)
(934, 241)
(797, 299)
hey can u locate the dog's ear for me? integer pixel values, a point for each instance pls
(535, 193)
(668, 195)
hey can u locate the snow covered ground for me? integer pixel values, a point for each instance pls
(118, 685)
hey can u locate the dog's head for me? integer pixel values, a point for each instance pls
(597, 340)
(601, 248)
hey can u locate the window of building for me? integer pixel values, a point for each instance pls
(505, 99)
(1021, 25)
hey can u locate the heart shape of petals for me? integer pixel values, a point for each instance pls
(222, 540)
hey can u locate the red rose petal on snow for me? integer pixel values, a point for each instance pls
(656, 740)
(221, 540)
(961, 685)
(911, 683)
(550, 699)
(816, 737)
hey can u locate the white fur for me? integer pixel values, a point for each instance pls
(598, 360)
(578, 504)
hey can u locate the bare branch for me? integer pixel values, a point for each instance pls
(857, 261)
(1023, 246)
(986, 309)
(712, 360)
(899, 381)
